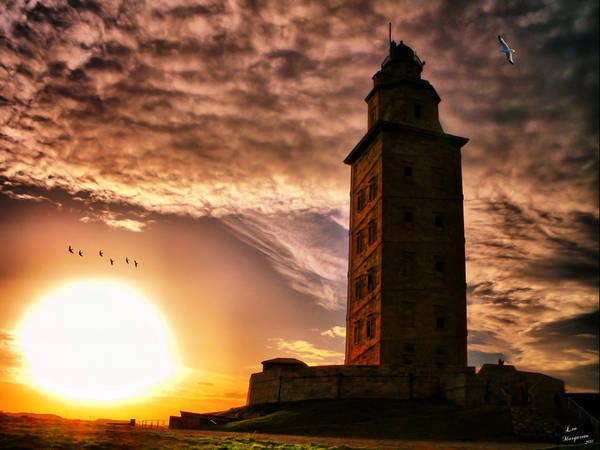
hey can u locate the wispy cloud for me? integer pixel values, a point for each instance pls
(11, 359)
(112, 220)
(307, 352)
(308, 248)
(336, 331)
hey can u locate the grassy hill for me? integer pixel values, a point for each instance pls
(381, 418)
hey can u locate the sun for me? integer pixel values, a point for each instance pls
(96, 340)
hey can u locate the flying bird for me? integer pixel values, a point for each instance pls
(71, 250)
(135, 262)
(100, 253)
(127, 260)
(506, 49)
(80, 253)
(112, 261)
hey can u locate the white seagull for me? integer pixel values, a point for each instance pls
(506, 49)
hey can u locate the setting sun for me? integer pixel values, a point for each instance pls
(96, 340)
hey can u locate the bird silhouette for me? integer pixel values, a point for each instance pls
(127, 260)
(506, 49)
(112, 262)
(100, 253)
(135, 262)
(80, 253)
(71, 250)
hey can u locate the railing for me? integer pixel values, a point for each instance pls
(583, 414)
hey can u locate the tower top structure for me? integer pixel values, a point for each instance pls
(402, 53)
(400, 97)
(402, 67)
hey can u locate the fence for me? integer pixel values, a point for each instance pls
(151, 423)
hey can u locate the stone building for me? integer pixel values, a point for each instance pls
(406, 318)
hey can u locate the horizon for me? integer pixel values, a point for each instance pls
(205, 144)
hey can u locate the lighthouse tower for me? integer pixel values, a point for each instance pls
(406, 274)
(406, 332)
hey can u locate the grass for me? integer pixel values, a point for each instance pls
(31, 432)
(317, 424)
(391, 419)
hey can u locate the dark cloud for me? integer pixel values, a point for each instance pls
(91, 5)
(97, 63)
(52, 16)
(290, 64)
(575, 255)
(559, 269)
(573, 339)
(586, 325)
(522, 300)
(581, 378)
(185, 12)
(539, 245)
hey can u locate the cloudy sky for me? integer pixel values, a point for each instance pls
(206, 139)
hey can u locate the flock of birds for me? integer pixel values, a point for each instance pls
(101, 254)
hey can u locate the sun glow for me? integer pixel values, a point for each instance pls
(96, 340)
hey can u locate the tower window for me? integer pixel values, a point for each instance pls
(373, 188)
(408, 171)
(372, 231)
(360, 241)
(440, 265)
(438, 220)
(409, 347)
(356, 333)
(409, 216)
(440, 350)
(371, 279)
(440, 317)
(359, 285)
(370, 328)
(417, 111)
(361, 200)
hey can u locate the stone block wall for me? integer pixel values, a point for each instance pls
(505, 385)
(494, 385)
(342, 382)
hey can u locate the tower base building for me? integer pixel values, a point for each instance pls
(290, 380)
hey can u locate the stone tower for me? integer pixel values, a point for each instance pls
(406, 274)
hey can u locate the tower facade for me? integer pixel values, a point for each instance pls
(406, 274)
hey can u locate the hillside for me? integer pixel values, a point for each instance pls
(381, 418)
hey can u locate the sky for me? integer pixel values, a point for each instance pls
(205, 139)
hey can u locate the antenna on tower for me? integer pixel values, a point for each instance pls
(390, 31)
